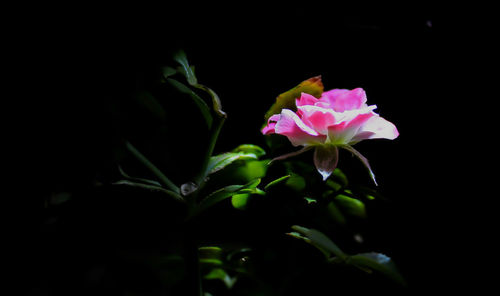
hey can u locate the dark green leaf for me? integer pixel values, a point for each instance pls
(138, 180)
(351, 205)
(148, 164)
(212, 252)
(211, 261)
(334, 185)
(277, 181)
(168, 71)
(218, 162)
(224, 193)
(335, 213)
(151, 105)
(204, 109)
(250, 149)
(152, 188)
(186, 70)
(217, 106)
(296, 182)
(221, 274)
(320, 241)
(377, 262)
(339, 177)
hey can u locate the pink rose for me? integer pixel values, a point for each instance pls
(339, 118)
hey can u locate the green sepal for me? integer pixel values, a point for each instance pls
(286, 100)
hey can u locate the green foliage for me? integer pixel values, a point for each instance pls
(367, 262)
(379, 263)
(222, 275)
(319, 240)
(351, 205)
(224, 193)
(250, 149)
(202, 106)
(277, 181)
(239, 201)
(296, 182)
(185, 69)
(218, 162)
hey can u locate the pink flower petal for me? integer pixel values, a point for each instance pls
(306, 99)
(269, 128)
(376, 128)
(271, 123)
(343, 99)
(343, 132)
(296, 130)
(317, 118)
(325, 159)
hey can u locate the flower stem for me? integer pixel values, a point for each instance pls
(148, 164)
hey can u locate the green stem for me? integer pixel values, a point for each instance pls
(214, 134)
(148, 164)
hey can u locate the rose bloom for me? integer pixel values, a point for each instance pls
(339, 118)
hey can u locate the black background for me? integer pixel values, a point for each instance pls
(82, 62)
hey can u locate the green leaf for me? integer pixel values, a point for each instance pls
(221, 274)
(334, 185)
(217, 106)
(377, 262)
(339, 177)
(138, 180)
(211, 261)
(210, 255)
(148, 164)
(151, 188)
(210, 252)
(251, 169)
(168, 71)
(310, 200)
(186, 70)
(204, 109)
(239, 201)
(218, 162)
(277, 181)
(151, 105)
(296, 182)
(335, 213)
(224, 193)
(312, 86)
(320, 241)
(351, 205)
(250, 149)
